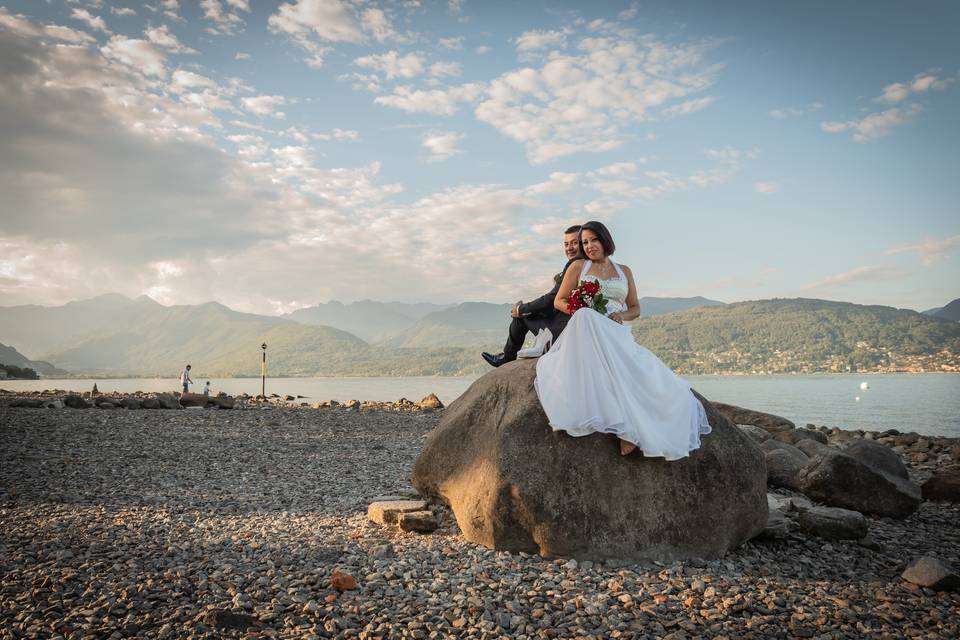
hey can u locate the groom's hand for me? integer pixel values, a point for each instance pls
(515, 311)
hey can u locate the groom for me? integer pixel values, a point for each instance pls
(540, 313)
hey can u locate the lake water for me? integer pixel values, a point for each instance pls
(927, 403)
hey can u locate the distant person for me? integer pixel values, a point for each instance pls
(538, 314)
(206, 389)
(185, 379)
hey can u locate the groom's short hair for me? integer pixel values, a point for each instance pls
(574, 229)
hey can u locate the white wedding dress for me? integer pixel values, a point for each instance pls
(596, 378)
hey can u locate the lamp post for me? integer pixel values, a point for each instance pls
(263, 371)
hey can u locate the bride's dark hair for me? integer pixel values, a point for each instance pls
(600, 229)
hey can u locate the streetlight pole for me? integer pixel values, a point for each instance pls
(263, 371)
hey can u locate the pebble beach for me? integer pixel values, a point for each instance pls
(209, 524)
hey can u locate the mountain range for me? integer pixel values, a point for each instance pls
(116, 335)
(949, 312)
(10, 356)
(801, 335)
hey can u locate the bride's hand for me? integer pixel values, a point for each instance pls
(616, 317)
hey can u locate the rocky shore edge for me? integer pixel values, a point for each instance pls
(60, 399)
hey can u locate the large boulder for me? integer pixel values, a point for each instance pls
(515, 484)
(878, 456)
(943, 486)
(75, 402)
(814, 448)
(740, 415)
(758, 434)
(784, 462)
(167, 401)
(193, 400)
(223, 401)
(839, 480)
(795, 436)
(833, 523)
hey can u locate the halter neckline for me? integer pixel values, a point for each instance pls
(587, 263)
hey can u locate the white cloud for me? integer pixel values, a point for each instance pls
(95, 22)
(183, 79)
(249, 146)
(766, 187)
(436, 101)
(264, 105)
(442, 69)
(122, 11)
(875, 125)
(534, 40)
(483, 49)
(340, 135)
(688, 107)
(882, 123)
(18, 24)
(313, 24)
(393, 65)
(241, 56)
(921, 83)
(794, 112)
(224, 14)
(930, 251)
(584, 101)
(138, 54)
(329, 20)
(452, 43)
(557, 182)
(376, 23)
(731, 154)
(162, 37)
(856, 275)
(68, 35)
(442, 145)
(617, 169)
(622, 183)
(171, 9)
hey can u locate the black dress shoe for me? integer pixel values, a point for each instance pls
(494, 360)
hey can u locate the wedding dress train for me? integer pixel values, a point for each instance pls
(596, 378)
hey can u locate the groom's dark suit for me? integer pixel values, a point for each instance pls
(536, 315)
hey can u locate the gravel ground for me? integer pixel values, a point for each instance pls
(158, 523)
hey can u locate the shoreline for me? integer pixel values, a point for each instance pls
(173, 376)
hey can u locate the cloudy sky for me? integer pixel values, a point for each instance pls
(272, 155)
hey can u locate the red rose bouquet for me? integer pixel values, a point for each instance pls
(587, 294)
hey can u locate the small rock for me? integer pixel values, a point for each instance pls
(422, 521)
(833, 523)
(388, 512)
(223, 619)
(343, 581)
(929, 572)
(430, 402)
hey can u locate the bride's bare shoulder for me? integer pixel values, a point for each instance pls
(626, 270)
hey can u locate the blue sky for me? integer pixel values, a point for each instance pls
(271, 155)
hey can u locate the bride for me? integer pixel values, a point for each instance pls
(596, 378)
